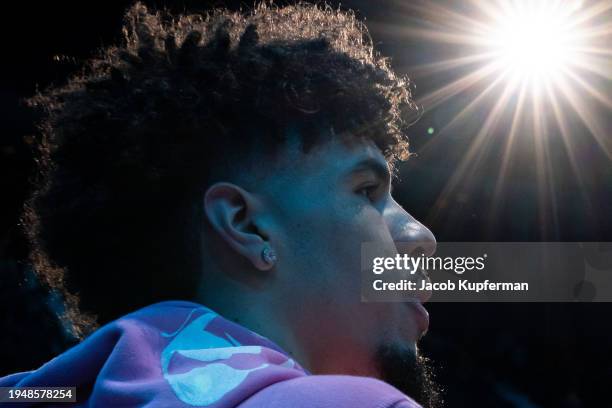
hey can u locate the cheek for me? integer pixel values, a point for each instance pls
(359, 224)
(334, 232)
(321, 239)
(329, 250)
(325, 246)
(356, 219)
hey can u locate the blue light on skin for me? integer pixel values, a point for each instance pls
(315, 209)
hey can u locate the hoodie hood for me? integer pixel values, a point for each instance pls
(168, 354)
(181, 354)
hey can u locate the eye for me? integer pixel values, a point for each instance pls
(367, 191)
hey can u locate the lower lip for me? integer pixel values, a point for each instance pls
(422, 316)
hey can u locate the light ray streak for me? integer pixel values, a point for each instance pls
(544, 172)
(604, 99)
(470, 161)
(446, 65)
(426, 34)
(500, 183)
(464, 112)
(440, 95)
(567, 140)
(588, 119)
(446, 17)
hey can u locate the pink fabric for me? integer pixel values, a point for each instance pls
(181, 354)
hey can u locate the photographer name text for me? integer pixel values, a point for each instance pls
(462, 285)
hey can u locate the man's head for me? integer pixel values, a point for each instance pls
(174, 160)
(314, 211)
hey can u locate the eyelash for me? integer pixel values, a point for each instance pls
(369, 190)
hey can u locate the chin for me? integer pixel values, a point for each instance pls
(405, 368)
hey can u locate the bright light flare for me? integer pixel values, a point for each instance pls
(542, 68)
(534, 41)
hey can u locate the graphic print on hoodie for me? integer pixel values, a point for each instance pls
(181, 354)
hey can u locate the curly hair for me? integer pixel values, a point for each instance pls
(129, 145)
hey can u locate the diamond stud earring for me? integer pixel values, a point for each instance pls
(268, 255)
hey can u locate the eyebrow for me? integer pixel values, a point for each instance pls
(379, 168)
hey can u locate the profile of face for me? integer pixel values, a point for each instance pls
(315, 210)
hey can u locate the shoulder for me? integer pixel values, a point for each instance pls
(330, 391)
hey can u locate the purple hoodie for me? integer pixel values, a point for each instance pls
(181, 354)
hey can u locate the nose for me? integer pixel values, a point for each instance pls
(415, 238)
(411, 238)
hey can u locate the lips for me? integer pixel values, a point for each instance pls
(421, 316)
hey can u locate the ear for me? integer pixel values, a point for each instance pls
(231, 212)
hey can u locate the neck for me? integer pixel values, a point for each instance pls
(255, 308)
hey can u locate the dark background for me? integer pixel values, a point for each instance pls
(505, 355)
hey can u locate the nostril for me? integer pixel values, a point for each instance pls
(418, 251)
